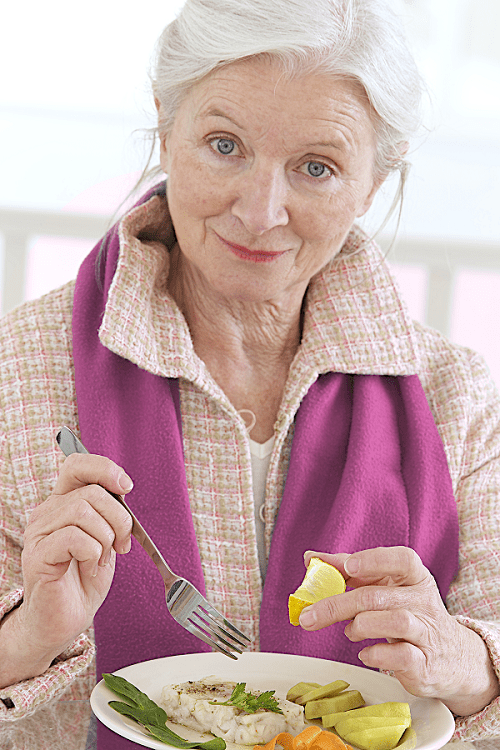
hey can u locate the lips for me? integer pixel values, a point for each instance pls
(245, 253)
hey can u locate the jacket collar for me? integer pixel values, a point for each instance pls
(355, 320)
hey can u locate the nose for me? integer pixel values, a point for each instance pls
(261, 200)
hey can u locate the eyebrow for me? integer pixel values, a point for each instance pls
(214, 112)
(325, 144)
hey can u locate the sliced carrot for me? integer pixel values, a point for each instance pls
(307, 738)
(312, 738)
(283, 738)
(328, 741)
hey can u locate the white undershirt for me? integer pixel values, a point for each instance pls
(261, 456)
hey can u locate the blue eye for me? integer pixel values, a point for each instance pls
(225, 146)
(316, 169)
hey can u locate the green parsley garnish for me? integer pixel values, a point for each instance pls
(151, 717)
(251, 702)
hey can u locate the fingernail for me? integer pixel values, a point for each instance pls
(351, 566)
(125, 482)
(364, 657)
(126, 547)
(307, 618)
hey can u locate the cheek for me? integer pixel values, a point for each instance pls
(191, 187)
(329, 220)
(324, 228)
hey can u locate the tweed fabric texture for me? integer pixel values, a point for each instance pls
(355, 321)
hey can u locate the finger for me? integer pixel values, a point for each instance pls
(404, 659)
(68, 512)
(80, 470)
(347, 606)
(396, 624)
(90, 508)
(387, 565)
(60, 548)
(390, 566)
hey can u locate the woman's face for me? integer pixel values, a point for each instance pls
(266, 176)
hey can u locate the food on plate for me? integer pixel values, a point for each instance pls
(355, 724)
(408, 741)
(327, 699)
(300, 689)
(321, 580)
(259, 718)
(377, 738)
(226, 710)
(393, 709)
(312, 738)
(151, 718)
(378, 727)
(322, 691)
(344, 701)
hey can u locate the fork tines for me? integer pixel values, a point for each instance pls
(235, 634)
(193, 612)
(203, 635)
(205, 621)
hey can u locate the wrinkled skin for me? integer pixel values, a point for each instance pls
(394, 596)
(68, 560)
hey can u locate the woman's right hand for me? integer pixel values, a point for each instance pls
(68, 561)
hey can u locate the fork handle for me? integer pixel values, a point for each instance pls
(69, 443)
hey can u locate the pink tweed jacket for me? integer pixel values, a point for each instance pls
(356, 322)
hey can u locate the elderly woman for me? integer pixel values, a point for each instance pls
(239, 348)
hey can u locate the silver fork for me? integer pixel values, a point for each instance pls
(184, 601)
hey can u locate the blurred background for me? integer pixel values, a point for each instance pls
(75, 106)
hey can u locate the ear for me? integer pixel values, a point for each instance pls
(164, 155)
(377, 183)
(402, 150)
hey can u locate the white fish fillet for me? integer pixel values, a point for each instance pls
(189, 704)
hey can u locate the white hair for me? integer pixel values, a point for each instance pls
(360, 39)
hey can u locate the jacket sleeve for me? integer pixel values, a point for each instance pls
(72, 670)
(474, 597)
(24, 698)
(36, 399)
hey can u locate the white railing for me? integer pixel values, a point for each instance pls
(442, 259)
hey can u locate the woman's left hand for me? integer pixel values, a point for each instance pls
(395, 597)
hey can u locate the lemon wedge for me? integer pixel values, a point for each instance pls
(321, 580)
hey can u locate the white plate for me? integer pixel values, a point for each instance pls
(431, 720)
